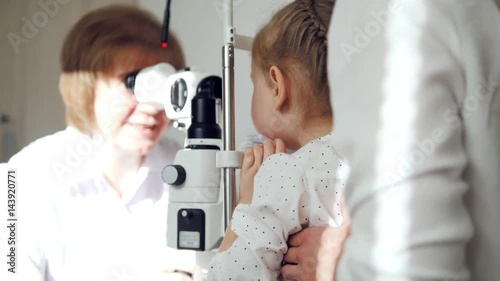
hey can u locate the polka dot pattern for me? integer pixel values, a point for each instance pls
(291, 192)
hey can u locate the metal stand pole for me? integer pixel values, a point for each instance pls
(228, 141)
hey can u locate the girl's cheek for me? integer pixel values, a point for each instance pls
(253, 110)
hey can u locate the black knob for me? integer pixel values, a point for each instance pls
(174, 174)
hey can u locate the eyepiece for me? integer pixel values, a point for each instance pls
(203, 107)
(130, 79)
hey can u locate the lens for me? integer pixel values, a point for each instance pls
(203, 107)
(178, 94)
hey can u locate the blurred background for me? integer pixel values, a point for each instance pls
(33, 32)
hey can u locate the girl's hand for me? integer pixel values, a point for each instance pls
(252, 159)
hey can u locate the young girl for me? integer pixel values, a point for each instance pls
(290, 102)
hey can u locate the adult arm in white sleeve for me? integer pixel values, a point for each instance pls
(37, 221)
(398, 84)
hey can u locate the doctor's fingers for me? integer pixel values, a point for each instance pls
(292, 255)
(346, 216)
(148, 109)
(174, 276)
(291, 272)
(302, 272)
(141, 118)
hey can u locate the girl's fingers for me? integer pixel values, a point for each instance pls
(248, 159)
(258, 153)
(280, 146)
(269, 149)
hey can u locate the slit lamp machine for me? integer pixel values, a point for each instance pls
(202, 176)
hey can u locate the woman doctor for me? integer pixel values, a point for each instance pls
(108, 220)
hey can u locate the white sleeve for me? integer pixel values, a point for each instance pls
(32, 259)
(395, 86)
(35, 218)
(263, 227)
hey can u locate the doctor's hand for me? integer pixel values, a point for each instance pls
(314, 252)
(174, 275)
(252, 160)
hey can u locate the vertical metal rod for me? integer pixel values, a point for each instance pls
(228, 21)
(229, 181)
(228, 141)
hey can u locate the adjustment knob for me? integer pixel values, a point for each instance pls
(174, 174)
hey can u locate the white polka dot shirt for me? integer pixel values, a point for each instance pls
(291, 192)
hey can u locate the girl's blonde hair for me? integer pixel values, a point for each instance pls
(295, 40)
(92, 49)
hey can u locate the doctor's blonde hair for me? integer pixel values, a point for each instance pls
(97, 44)
(295, 40)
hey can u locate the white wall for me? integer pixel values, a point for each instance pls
(199, 26)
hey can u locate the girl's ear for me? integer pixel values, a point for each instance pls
(278, 85)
